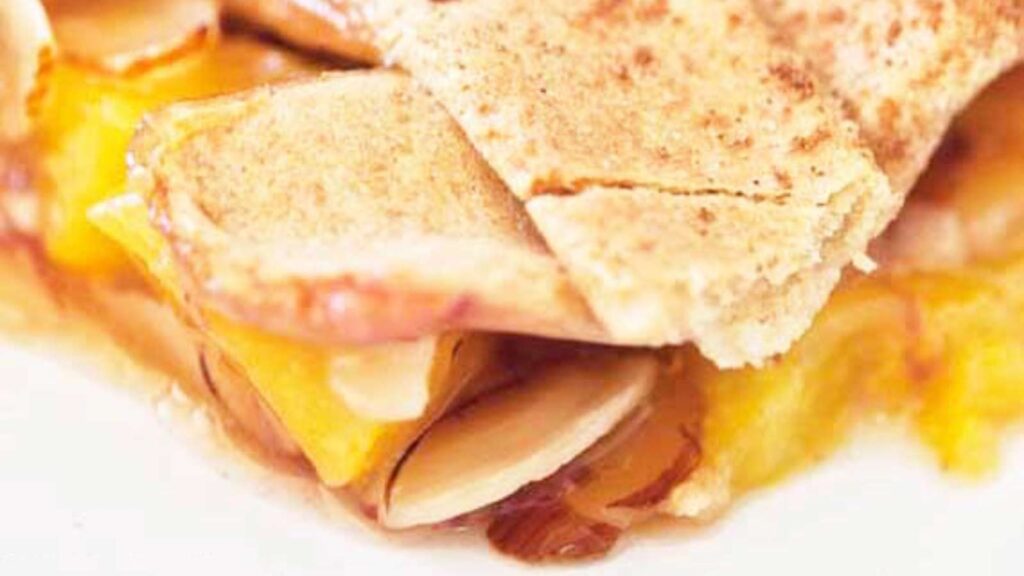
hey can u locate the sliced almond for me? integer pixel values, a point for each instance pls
(619, 482)
(515, 436)
(386, 382)
(335, 26)
(280, 391)
(26, 45)
(122, 35)
(232, 388)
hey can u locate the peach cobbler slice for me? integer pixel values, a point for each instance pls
(353, 269)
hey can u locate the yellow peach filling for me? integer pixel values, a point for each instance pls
(938, 343)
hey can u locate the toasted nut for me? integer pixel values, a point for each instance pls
(386, 382)
(145, 32)
(26, 47)
(515, 436)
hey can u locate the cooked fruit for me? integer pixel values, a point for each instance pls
(520, 434)
(26, 49)
(629, 477)
(933, 339)
(125, 220)
(86, 110)
(941, 350)
(294, 226)
(295, 379)
(763, 424)
(970, 205)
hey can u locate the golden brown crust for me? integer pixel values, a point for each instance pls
(730, 326)
(559, 95)
(348, 208)
(628, 126)
(634, 98)
(904, 67)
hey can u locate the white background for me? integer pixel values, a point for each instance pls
(94, 481)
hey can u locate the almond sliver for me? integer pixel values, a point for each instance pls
(122, 35)
(26, 46)
(518, 435)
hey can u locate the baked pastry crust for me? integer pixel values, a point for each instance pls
(683, 167)
(625, 145)
(903, 68)
(347, 209)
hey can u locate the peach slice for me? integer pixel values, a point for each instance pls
(292, 395)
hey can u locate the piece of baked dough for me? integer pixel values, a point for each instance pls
(680, 164)
(904, 68)
(348, 208)
(591, 106)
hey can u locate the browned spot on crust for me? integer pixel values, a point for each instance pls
(735, 20)
(795, 79)
(890, 148)
(894, 33)
(742, 144)
(706, 216)
(619, 11)
(834, 16)
(811, 141)
(890, 152)
(785, 180)
(716, 120)
(602, 10)
(621, 72)
(643, 56)
(655, 10)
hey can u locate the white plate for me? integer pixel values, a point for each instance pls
(93, 481)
